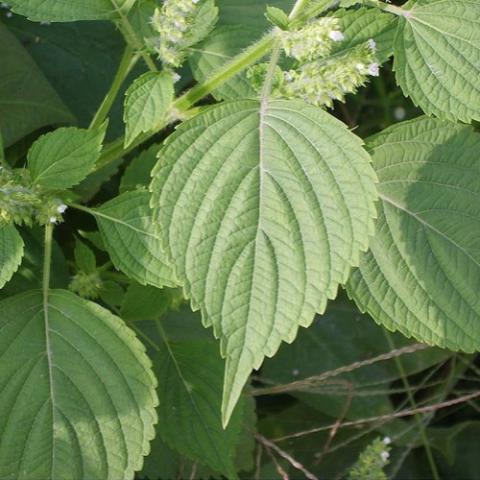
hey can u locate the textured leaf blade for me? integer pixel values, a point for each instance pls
(263, 212)
(77, 391)
(422, 271)
(11, 252)
(27, 100)
(64, 157)
(146, 104)
(359, 25)
(138, 173)
(437, 58)
(131, 239)
(70, 10)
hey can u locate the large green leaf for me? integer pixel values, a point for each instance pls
(77, 391)
(70, 10)
(64, 157)
(437, 57)
(79, 59)
(27, 100)
(263, 210)
(11, 252)
(131, 239)
(190, 404)
(146, 104)
(422, 271)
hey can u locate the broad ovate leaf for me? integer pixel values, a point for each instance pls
(146, 104)
(190, 404)
(64, 157)
(422, 272)
(437, 57)
(263, 209)
(27, 100)
(71, 10)
(131, 239)
(11, 252)
(77, 393)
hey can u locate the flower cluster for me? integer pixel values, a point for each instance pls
(372, 461)
(86, 285)
(328, 79)
(23, 203)
(172, 23)
(313, 41)
(317, 75)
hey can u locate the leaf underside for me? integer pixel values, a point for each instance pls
(77, 391)
(11, 252)
(437, 58)
(131, 239)
(422, 272)
(263, 210)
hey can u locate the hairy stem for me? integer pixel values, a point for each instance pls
(47, 260)
(127, 62)
(387, 7)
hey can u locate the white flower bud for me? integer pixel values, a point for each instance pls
(374, 69)
(336, 35)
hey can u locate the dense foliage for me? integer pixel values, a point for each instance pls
(254, 167)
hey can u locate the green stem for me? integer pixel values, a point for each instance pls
(232, 68)
(131, 38)
(181, 106)
(47, 260)
(239, 63)
(413, 403)
(127, 62)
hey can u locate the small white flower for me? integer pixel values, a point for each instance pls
(61, 208)
(53, 219)
(9, 14)
(360, 67)
(374, 69)
(387, 440)
(336, 35)
(372, 44)
(385, 455)
(176, 77)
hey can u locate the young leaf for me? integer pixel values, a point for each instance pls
(27, 100)
(84, 257)
(277, 17)
(263, 210)
(146, 103)
(437, 57)
(422, 271)
(131, 239)
(64, 157)
(71, 10)
(77, 391)
(190, 404)
(11, 252)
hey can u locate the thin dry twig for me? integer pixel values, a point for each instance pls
(311, 382)
(403, 413)
(269, 445)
